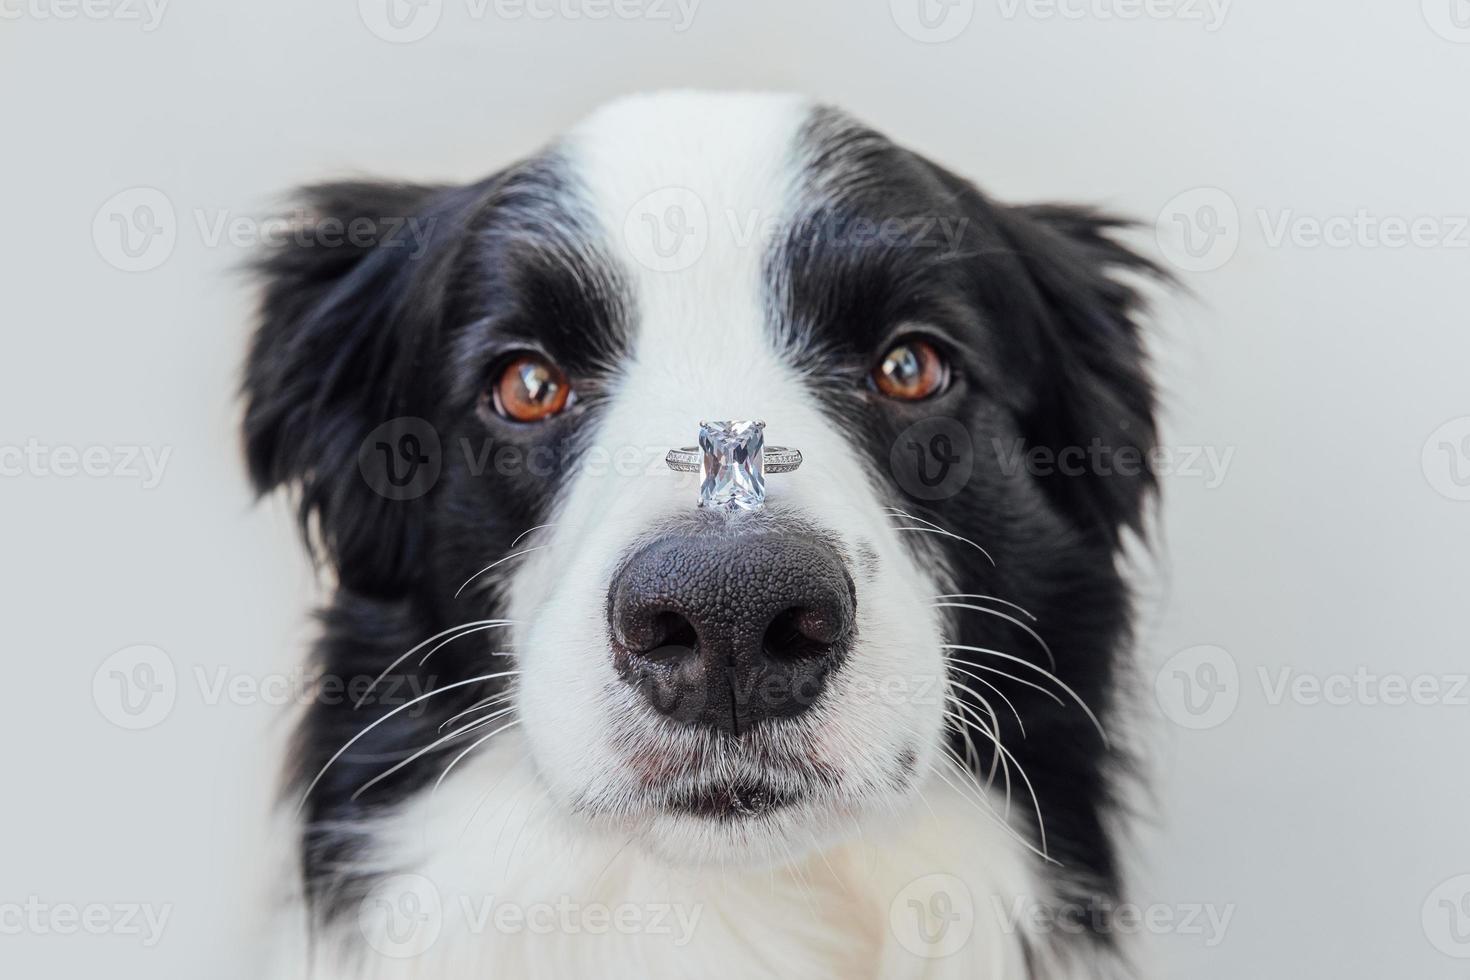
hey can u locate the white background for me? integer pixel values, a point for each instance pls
(1333, 542)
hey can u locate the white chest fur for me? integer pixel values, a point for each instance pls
(485, 879)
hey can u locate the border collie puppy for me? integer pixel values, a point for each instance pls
(579, 714)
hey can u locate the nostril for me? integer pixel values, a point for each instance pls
(729, 630)
(800, 634)
(672, 635)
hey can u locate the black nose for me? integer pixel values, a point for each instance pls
(730, 631)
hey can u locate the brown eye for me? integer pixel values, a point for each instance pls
(912, 369)
(530, 388)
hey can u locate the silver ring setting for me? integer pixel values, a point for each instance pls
(774, 459)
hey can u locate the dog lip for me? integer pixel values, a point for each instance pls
(730, 801)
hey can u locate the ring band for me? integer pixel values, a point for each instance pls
(775, 459)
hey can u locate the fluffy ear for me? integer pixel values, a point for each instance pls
(352, 298)
(1095, 395)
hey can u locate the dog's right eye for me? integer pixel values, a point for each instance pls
(911, 370)
(527, 388)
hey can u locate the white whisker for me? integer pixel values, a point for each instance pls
(495, 564)
(933, 528)
(1012, 677)
(972, 754)
(999, 693)
(990, 598)
(997, 761)
(1053, 677)
(973, 781)
(378, 721)
(1035, 801)
(478, 742)
(478, 705)
(990, 812)
(528, 530)
(478, 722)
(462, 627)
(1010, 619)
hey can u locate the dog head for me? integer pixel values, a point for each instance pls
(474, 398)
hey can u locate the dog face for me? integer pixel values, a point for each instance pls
(711, 682)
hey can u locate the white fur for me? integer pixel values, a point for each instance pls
(810, 890)
(497, 838)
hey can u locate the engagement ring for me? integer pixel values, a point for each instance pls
(732, 461)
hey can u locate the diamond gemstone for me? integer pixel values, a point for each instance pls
(731, 465)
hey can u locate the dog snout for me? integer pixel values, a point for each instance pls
(728, 632)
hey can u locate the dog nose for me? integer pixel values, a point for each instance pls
(727, 632)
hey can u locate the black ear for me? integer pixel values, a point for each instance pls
(1094, 393)
(353, 297)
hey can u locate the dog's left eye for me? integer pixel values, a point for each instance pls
(528, 388)
(910, 370)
